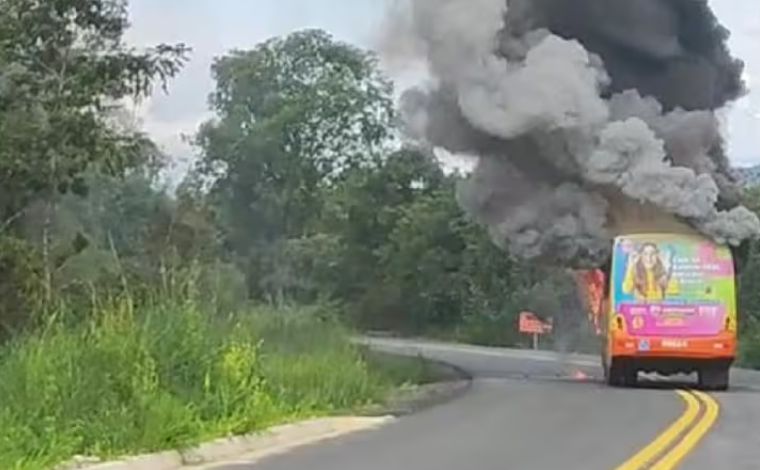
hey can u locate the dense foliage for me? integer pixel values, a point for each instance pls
(315, 202)
(301, 193)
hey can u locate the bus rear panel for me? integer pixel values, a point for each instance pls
(671, 309)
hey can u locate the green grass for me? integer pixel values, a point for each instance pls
(407, 371)
(168, 376)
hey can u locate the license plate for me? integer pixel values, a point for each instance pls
(675, 344)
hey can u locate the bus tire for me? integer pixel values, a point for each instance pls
(630, 376)
(605, 363)
(714, 378)
(613, 374)
(621, 374)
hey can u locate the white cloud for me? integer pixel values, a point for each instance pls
(213, 27)
(742, 18)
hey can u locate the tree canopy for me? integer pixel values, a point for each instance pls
(63, 68)
(302, 192)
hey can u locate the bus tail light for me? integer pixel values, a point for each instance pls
(619, 322)
(730, 327)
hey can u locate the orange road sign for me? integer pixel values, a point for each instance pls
(531, 324)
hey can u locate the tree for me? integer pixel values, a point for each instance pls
(404, 255)
(63, 68)
(363, 210)
(291, 116)
(127, 230)
(423, 260)
(63, 65)
(447, 273)
(749, 295)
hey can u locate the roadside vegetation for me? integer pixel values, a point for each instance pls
(138, 312)
(168, 375)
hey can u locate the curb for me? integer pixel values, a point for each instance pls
(170, 460)
(423, 397)
(453, 382)
(280, 439)
(456, 383)
(252, 447)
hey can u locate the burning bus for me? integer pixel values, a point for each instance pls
(666, 303)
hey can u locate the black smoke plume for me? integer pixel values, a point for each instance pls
(589, 118)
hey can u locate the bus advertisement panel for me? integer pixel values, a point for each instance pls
(674, 286)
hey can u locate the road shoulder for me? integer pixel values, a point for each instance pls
(452, 382)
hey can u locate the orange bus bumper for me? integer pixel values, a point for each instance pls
(721, 346)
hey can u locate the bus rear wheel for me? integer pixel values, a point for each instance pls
(621, 374)
(714, 378)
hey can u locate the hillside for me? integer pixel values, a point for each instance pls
(749, 176)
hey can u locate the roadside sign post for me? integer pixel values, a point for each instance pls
(531, 324)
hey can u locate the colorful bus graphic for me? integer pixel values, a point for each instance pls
(670, 308)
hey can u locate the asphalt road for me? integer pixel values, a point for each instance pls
(537, 411)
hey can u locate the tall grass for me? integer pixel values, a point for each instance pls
(169, 376)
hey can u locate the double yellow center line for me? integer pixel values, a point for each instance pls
(671, 447)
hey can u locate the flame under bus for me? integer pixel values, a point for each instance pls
(667, 305)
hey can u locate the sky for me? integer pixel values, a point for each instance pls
(212, 27)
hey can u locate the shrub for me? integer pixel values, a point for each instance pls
(20, 284)
(170, 375)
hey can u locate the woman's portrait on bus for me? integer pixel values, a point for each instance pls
(649, 274)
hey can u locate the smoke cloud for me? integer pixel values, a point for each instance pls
(589, 117)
